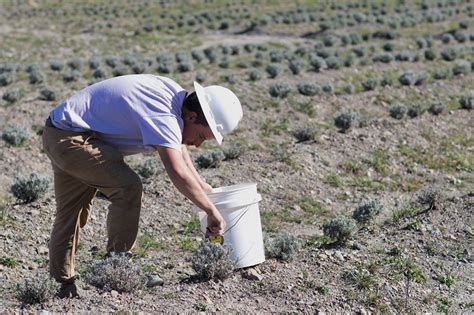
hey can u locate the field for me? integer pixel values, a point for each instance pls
(345, 102)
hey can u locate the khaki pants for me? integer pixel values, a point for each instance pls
(82, 164)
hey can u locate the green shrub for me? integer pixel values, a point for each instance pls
(339, 229)
(212, 261)
(436, 108)
(450, 53)
(441, 74)
(283, 247)
(56, 65)
(430, 54)
(234, 151)
(397, 111)
(6, 78)
(367, 210)
(255, 75)
(429, 197)
(334, 62)
(415, 111)
(411, 78)
(317, 63)
(309, 88)
(296, 66)
(41, 289)
(8, 261)
(210, 159)
(467, 100)
(30, 188)
(71, 75)
(462, 67)
(16, 135)
(36, 77)
(149, 167)
(345, 121)
(280, 90)
(306, 133)
(48, 94)
(11, 96)
(116, 272)
(370, 84)
(273, 70)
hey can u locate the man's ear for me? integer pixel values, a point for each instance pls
(190, 116)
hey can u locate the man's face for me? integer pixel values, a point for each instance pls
(193, 133)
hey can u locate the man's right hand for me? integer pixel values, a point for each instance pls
(215, 224)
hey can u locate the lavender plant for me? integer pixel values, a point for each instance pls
(212, 261)
(283, 247)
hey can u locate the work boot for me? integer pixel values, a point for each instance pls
(67, 290)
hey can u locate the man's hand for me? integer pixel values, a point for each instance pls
(215, 224)
(206, 187)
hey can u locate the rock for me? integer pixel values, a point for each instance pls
(42, 250)
(251, 274)
(43, 312)
(114, 293)
(154, 280)
(339, 256)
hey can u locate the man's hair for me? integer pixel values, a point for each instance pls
(191, 104)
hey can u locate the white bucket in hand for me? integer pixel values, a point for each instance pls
(238, 205)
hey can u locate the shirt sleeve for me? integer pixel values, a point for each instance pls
(162, 131)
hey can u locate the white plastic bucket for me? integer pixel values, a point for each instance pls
(238, 205)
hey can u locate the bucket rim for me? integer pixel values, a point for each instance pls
(232, 188)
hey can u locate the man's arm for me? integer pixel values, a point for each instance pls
(187, 159)
(183, 178)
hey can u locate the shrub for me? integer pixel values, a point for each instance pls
(317, 62)
(112, 61)
(339, 229)
(296, 65)
(436, 108)
(273, 70)
(11, 96)
(6, 78)
(94, 63)
(280, 90)
(386, 81)
(447, 38)
(450, 53)
(30, 188)
(385, 58)
(200, 77)
(121, 70)
(255, 75)
(48, 94)
(99, 73)
(8, 261)
(56, 65)
(75, 64)
(139, 67)
(349, 88)
(117, 273)
(164, 67)
(397, 111)
(185, 66)
(38, 290)
(389, 46)
(334, 62)
(306, 133)
(210, 159)
(462, 67)
(283, 247)
(441, 74)
(36, 77)
(430, 54)
(460, 36)
(308, 88)
(367, 210)
(197, 55)
(345, 121)
(71, 75)
(212, 261)
(429, 197)
(328, 88)
(149, 167)
(411, 78)
(415, 111)
(467, 100)
(360, 51)
(16, 135)
(403, 56)
(233, 152)
(370, 84)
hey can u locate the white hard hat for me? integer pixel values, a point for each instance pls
(221, 107)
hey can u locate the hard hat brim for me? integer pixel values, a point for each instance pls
(206, 109)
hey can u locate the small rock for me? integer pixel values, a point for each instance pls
(339, 256)
(43, 312)
(43, 250)
(251, 274)
(154, 280)
(114, 293)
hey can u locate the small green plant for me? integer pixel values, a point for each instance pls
(283, 247)
(467, 100)
(345, 121)
(16, 135)
(436, 108)
(234, 151)
(406, 210)
(397, 111)
(306, 133)
(38, 290)
(147, 242)
(8, 261)
(116, 272)
(30, 188)
(149, 167)
(210, 159)
(212, 261)
(362, 278)
(339, 229)
(334, 180)
(447, 280)
(367, 210)
(430, 197)
(279, 90)
(191, 227)
(201, 307)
